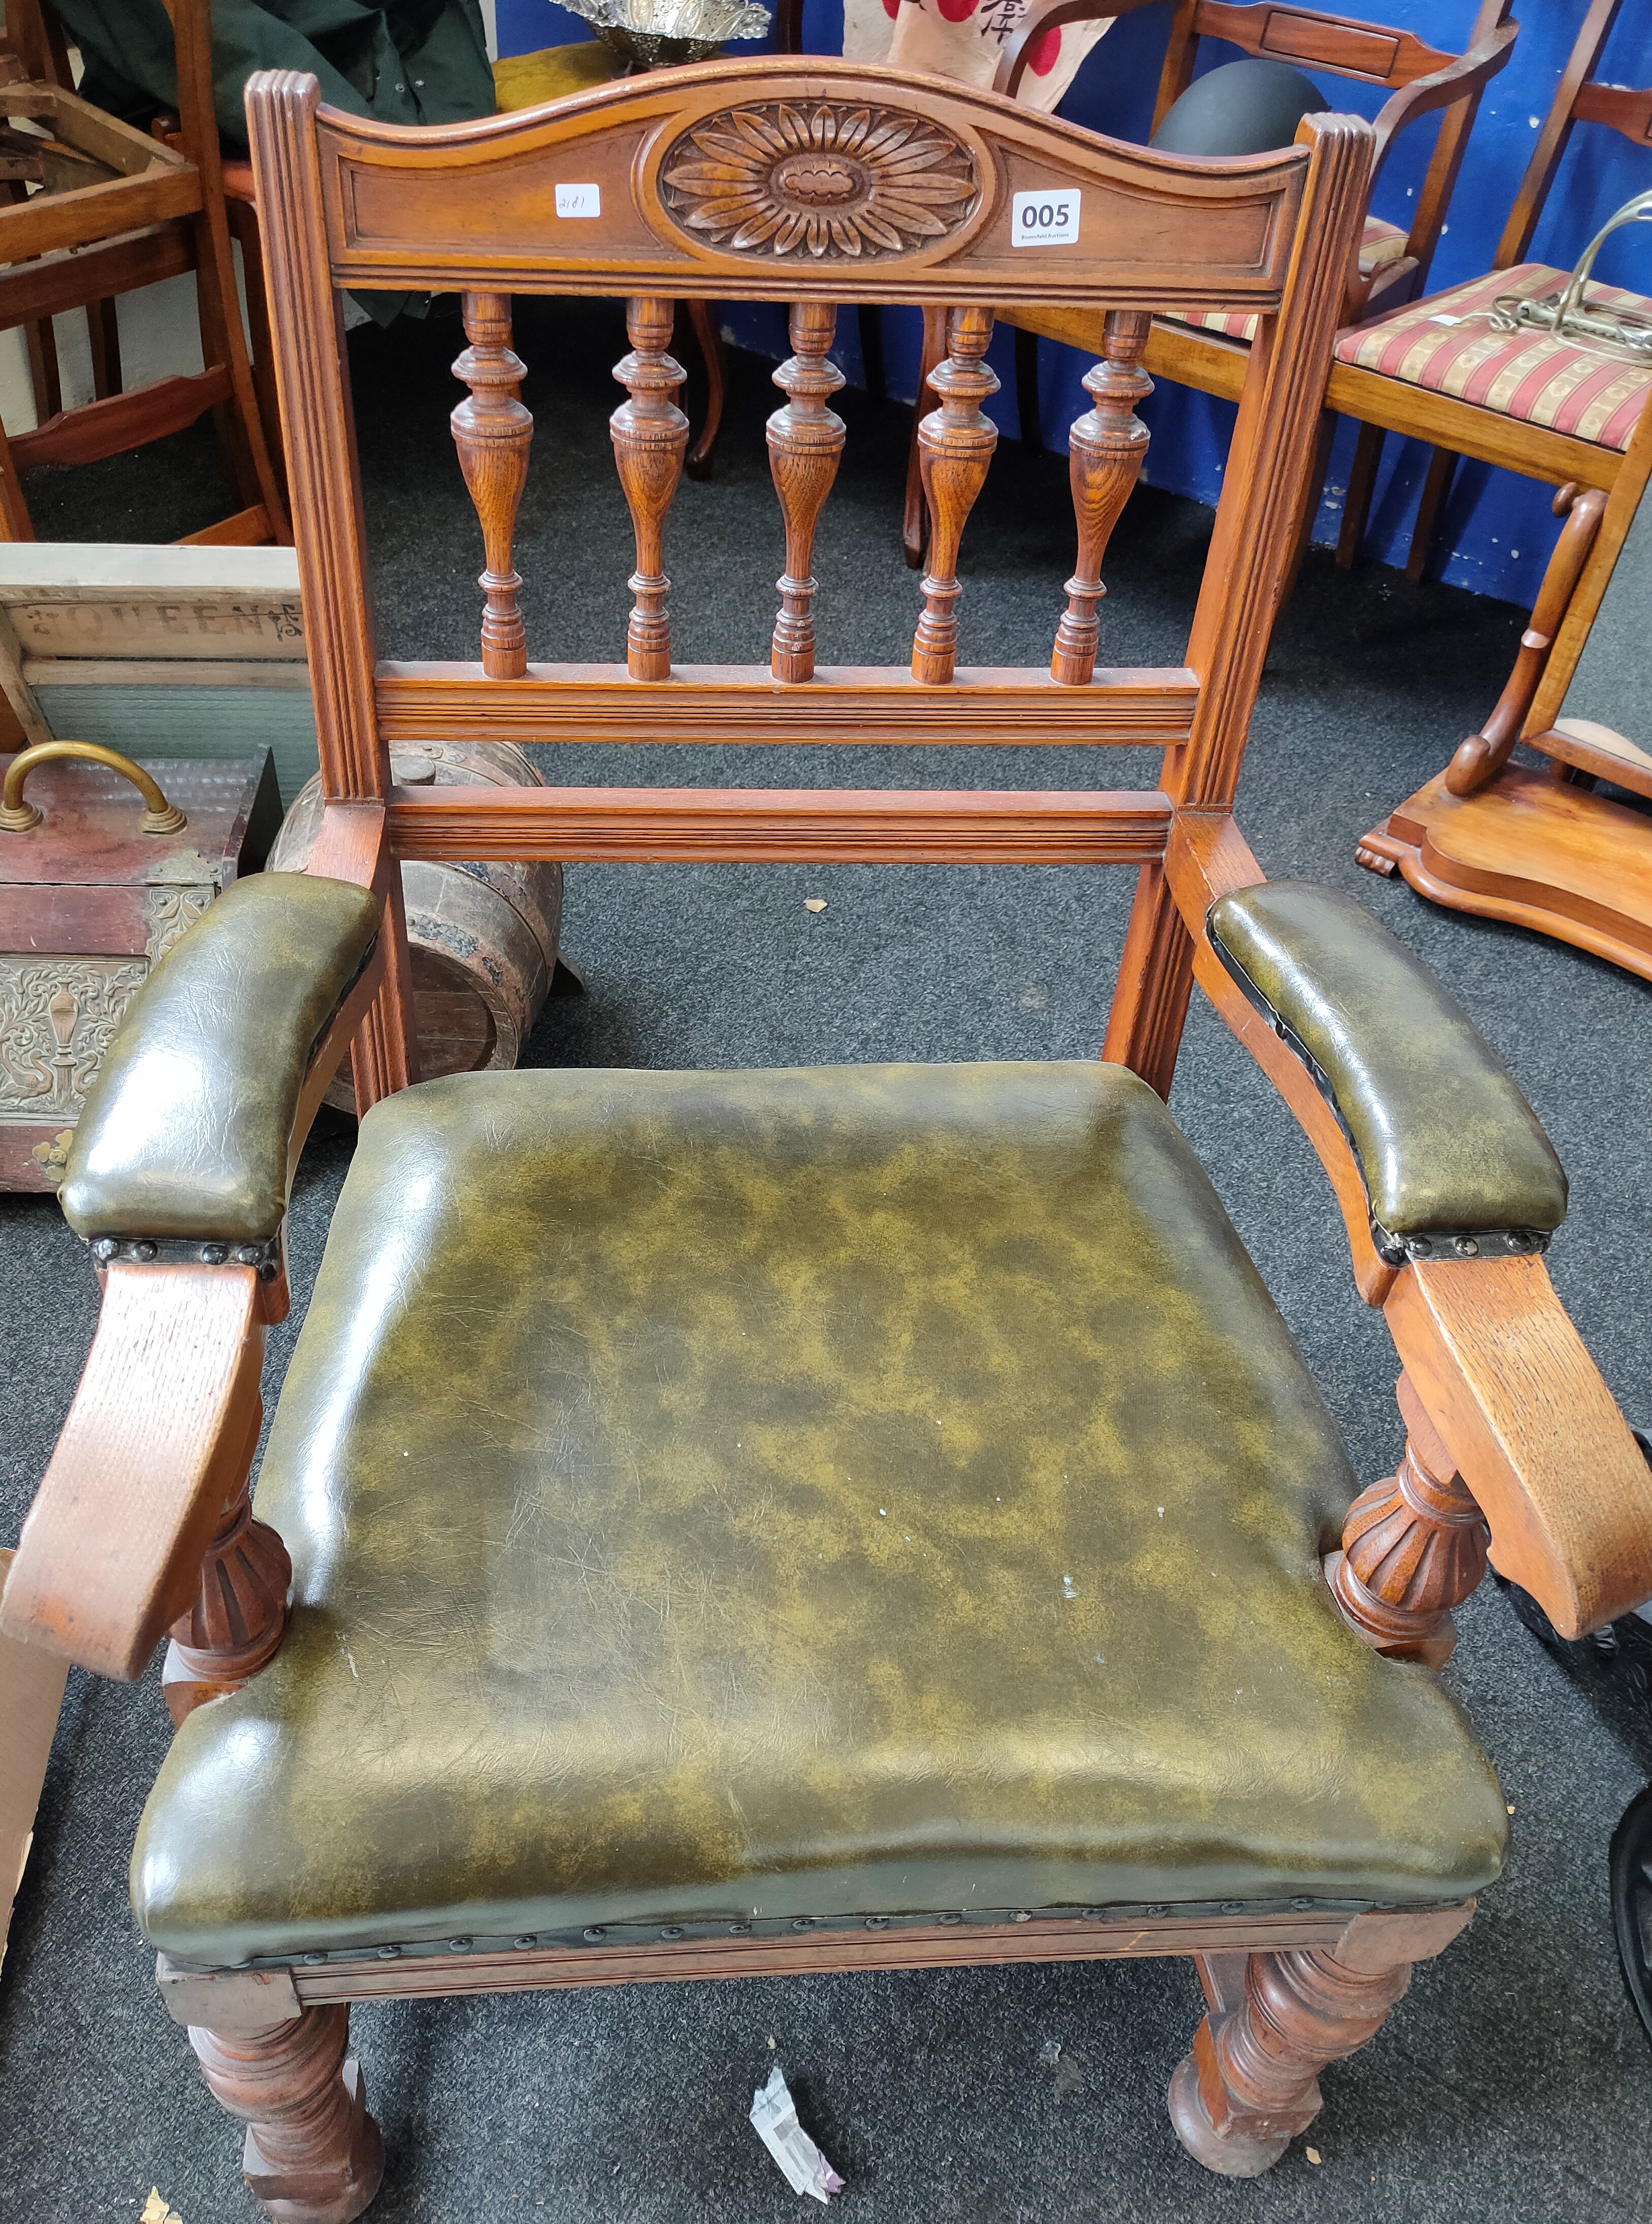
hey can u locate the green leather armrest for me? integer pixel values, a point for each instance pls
(1453, 1158)
(187, 1130)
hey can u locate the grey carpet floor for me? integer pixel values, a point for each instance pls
(1513, 2080)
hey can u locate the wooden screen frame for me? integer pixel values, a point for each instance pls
(348, 203)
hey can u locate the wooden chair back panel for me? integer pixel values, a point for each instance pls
(765, 182)
(1315, 39)
(731, 186)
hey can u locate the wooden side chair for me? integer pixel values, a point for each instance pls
(149, 211)
(1540, 845)
(1208, 348)
(1552, 408)
(861, 1517)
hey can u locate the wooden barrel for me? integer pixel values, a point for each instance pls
(481, 938)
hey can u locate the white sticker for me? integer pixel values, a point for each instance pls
(1046, 219)
(579, 200)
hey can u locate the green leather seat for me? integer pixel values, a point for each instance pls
(738, 1499)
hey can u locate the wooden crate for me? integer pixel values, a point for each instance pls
(158, 652)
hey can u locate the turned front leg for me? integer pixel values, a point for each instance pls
(313, 2155)
(1251, 2082)
(1413, 1548)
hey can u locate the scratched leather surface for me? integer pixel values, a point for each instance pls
(780, 1494)
(186, 1131)
(1445, 1139)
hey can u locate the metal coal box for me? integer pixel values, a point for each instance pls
(96, 885)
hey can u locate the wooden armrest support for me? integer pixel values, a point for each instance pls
(154, 1454)
(1207, 857)
(1503, 1375)
(1566, 1490)
(1469, 74)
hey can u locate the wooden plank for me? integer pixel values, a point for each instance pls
(153, 1449)
(988, 705)
(116, 571)
(773, 825)
(1406, 1934)
(1467, 430)
(69, 279)
(97, 212)
(94, 130)
(463, 205)
(120, 421)
(1342, 43)
(284, 677)
(247, 529)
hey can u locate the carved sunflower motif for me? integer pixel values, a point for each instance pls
(823, 180)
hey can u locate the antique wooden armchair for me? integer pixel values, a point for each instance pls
(864, 1517)
(1389, 264)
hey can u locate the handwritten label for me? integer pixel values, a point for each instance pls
(1046, 219)
(584, 200)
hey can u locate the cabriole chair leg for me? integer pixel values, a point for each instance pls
(313, 2155)
(1250, 2083)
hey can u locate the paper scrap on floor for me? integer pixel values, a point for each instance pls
(774, 2119)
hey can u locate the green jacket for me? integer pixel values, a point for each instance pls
(407, 61)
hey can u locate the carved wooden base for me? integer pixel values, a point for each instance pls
(1251, 2084)
(238, 1619)
(1533, 850)
(313, 2155)
(1413, 1548)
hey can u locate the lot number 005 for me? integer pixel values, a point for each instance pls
(1046, 219)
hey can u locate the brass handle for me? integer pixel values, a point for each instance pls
(16, 816)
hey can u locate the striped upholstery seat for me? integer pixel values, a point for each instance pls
(1380, 243)
(1448, 345)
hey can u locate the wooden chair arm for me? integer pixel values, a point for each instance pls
(1049, 17)
(1503, 1375)
(156, 1450)
(1533, 1430)
(1470, 73)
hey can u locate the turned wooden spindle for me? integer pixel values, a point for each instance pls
(313, 2151)
(492, 430)
(1250, 2083)
(1106, 450)
(955, 447)
(240, 1613)
(1413, 1548)
(805, 441)
(650, 433)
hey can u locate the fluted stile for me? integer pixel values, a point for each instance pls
(955, 444)
(492, 430)
(650, 433)
(1107, 447)
(805, 441)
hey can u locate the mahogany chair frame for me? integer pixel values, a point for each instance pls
(1422, 79)
(143, 1522)
(164, 216)
(1459, 428)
